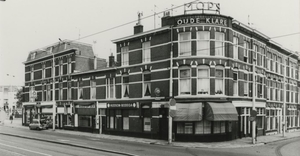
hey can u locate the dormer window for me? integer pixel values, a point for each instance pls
(32, 55)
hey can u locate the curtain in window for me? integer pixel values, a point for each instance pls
(185, 85)
(185, 44)
(219, 81)
(203, 45)
(203, 81)
(219, 44)
(146, 51)
(124, 52)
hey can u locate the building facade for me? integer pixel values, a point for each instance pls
(8, 99)
(217, 69)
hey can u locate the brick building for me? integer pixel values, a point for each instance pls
(69, 57)
(216, 68)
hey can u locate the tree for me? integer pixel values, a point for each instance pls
(19, 96)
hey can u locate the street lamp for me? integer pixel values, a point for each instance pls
(253, 102)
(284, 97)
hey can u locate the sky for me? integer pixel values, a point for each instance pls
(26, 25)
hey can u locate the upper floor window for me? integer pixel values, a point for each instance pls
(125, 86)
(246, 50)
(110, 88)
(235, 47)
(255, 53)
(185, 81)
(235, 83)
(93, 89)
(219, 44)
(219, 83)
(80, 90)
(32, 55)
(203, 80)
(61, 66)
(31, 73)
(146, 52)
(70, 65)
(203, 45)
(147, 83)
(125, 56)
(246, 89)
(185, 44)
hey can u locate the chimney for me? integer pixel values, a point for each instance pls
(138, 28)
(95, 62)
(111, 61)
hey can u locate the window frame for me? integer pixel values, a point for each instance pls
(199, 78)
(188, 42)
(146, 52)
(206, 51)
(222, 41)
(187, 78)
(125, 56)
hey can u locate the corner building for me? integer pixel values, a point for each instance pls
(206, 63)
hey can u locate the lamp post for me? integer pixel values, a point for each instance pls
(284, 97)
(253, 103)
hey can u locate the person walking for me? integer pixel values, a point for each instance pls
(11, 118)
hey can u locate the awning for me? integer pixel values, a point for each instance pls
(220, 112)
(188, 112)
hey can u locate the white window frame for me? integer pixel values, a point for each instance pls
(222, 41)
(146, 84)
(184, 78)
(235, 83)
(125, 86)
(93, 89)
(235, 48)
(146, 48)
(246, 51)
(205, 40)
(125, 56)
(110, 91)
(217, 91)
(200, 77)
(246, 84)
(188, 42)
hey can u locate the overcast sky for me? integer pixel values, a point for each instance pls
(26, 25)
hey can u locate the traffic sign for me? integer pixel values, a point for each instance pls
(172, 102)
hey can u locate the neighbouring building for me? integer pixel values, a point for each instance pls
(8, 99)
(216, 68)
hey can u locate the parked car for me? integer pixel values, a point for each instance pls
(37, 125)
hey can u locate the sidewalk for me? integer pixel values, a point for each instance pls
(244, 142)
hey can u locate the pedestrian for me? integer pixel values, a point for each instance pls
(11, 118)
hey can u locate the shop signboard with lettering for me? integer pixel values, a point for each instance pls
(122, 105)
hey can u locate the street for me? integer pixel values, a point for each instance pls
(67, 144)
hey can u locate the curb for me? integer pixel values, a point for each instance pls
(69, 144)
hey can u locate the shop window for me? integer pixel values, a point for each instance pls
(219, 82)
(125, 86)
(147, 124)
(184, 128)
(207, 127)
(235, 47)
(111, 122)
(219, 44)
(185, 81)
(185, 44)
(125, 123)
(85, 121)
(146, 52)
(147, 83)
(203, 84)
(199, 127)
(124, 56)
(219, 127)
(203, 44)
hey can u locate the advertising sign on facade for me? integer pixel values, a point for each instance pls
(122, 105)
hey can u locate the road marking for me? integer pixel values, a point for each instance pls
(26, 150)
(12, 152)
(63, 140)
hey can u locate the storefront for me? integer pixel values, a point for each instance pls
(85, 117)
(29, 113)
(65, 115)
(205, 121)
(139, 119)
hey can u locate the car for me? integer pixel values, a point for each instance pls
(37, 125)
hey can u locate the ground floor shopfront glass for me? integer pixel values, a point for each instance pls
(85, 117)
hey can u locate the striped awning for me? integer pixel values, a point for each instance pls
(188, 112)
(220, 112)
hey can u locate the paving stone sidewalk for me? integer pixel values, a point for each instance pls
(244, 142)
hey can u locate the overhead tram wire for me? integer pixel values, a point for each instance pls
(96, 33)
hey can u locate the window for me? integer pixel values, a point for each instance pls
(184, 128)
(147, 83)
(147, 124)
(125, 87)
(146, 52)
(61, 67)
(203, 80)
(219, 86)
(32, 55)
(185, 81)
(185, 44)
(111, 122)
(203, 45)
(49, 98)
(219, 127)
(125, 123)
(246, 50)
(31, 73)
(43, 71)
(203, 127)
(125, 56)
(259, 87)
(246, 89)
(235, 47)
(110, 93)
(255, 53)
(235, 84)
(93, 89)
(69, 65)
(219, 43)
(80, 90)
(69, 90)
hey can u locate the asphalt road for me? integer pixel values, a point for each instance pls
(76, 142)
